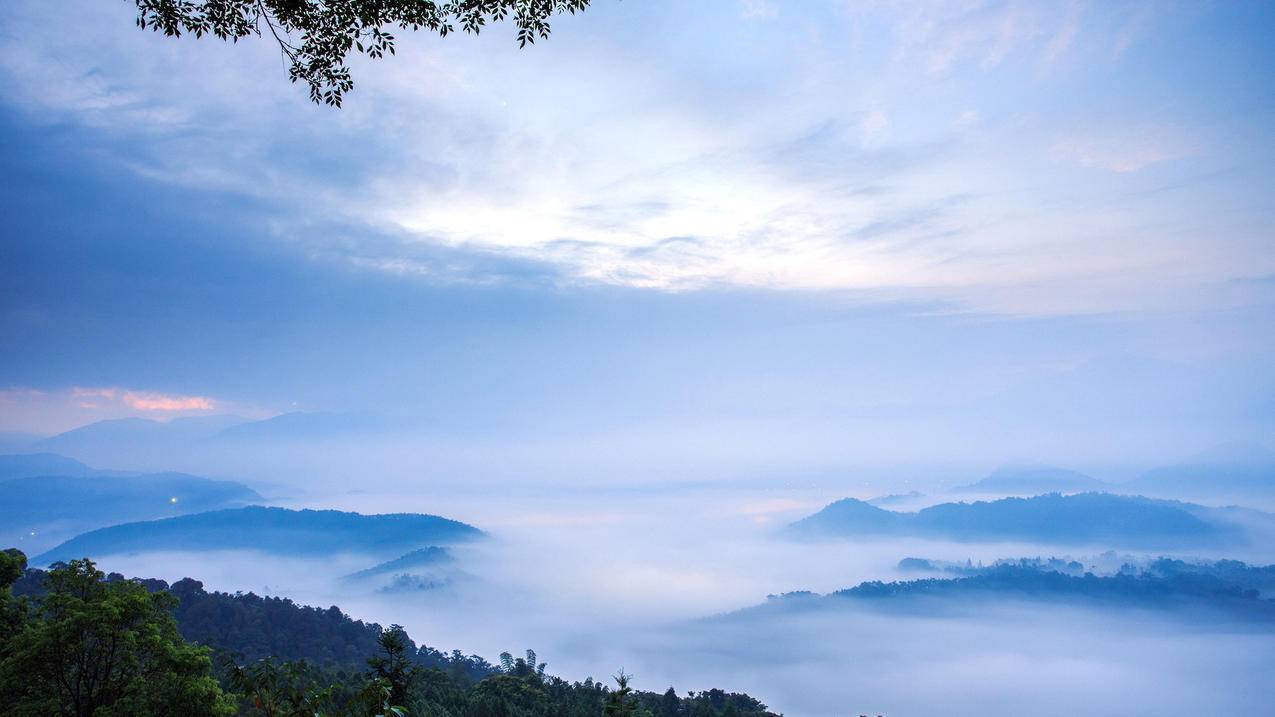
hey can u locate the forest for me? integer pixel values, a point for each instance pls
(76, 641)
(1226, 587)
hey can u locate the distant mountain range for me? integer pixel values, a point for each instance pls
(896, 498)
(141, 442)
(126, 431)
(271, 530)
(48, 498)
(300, 426)
(1230, 470)
(44, 499)
(1086, 518)
(1024, 479)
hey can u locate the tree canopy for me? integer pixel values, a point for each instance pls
(93, 647)
(270, 658)
(318, 36)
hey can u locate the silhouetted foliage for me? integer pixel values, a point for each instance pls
(318, 36)
(93, 647)
(278, 659)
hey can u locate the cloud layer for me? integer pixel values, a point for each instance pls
(1006, 157)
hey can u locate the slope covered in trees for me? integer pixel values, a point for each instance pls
(271, 656)
(1229, 587)
(273, 530)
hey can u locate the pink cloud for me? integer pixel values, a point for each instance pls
(148, 401)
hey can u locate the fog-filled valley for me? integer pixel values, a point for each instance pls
(814, 594)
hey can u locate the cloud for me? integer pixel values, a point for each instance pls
(1065, 35)
(59, 408)
(873, 124)
(1124, 151)
(464, 161)
(757, 9)
(149, 401)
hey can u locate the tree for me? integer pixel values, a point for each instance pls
(318, 36)
(12, 611)
(271, 689)
(670, 704)
(100, 649)
(394, 666)
(618, 702)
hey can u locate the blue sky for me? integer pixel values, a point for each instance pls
(854, 230)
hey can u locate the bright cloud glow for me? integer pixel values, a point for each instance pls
(54, 410)
(935, 151)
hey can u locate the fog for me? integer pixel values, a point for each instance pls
(650, 579)
(633, 298)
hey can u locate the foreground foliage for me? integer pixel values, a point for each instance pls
(92, 647)
(267, 657)
(318, 36)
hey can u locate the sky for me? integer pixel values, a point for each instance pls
(735, 234)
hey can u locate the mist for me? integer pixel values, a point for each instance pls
(865, 358)
(671, 585)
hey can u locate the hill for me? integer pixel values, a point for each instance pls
(1226, 586)
(1086, 518)
(269, 636)
(40, 500)
(41, 510)
(430, 557)
(273, 530)
(1236, 469)
(1033, 480)
(303, 426)
(134, 442)
(26, 465)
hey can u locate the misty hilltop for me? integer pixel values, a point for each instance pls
(27, 465)
(144, 442)
(1030, 479)
(1086, 518)
(271, 530)
(1232, 469)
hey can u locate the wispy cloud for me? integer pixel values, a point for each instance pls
(1126, 150)
(828, 163)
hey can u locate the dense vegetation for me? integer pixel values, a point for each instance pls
(272, 530)
(213, 653)
(1086, 518)
(1229, 586)
(1231, 572)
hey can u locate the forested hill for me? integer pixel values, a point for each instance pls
(273, 530)
(252, 627)
(1082, 519)
(1228, 587)
(343, 657)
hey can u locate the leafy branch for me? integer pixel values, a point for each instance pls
(317, 37)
